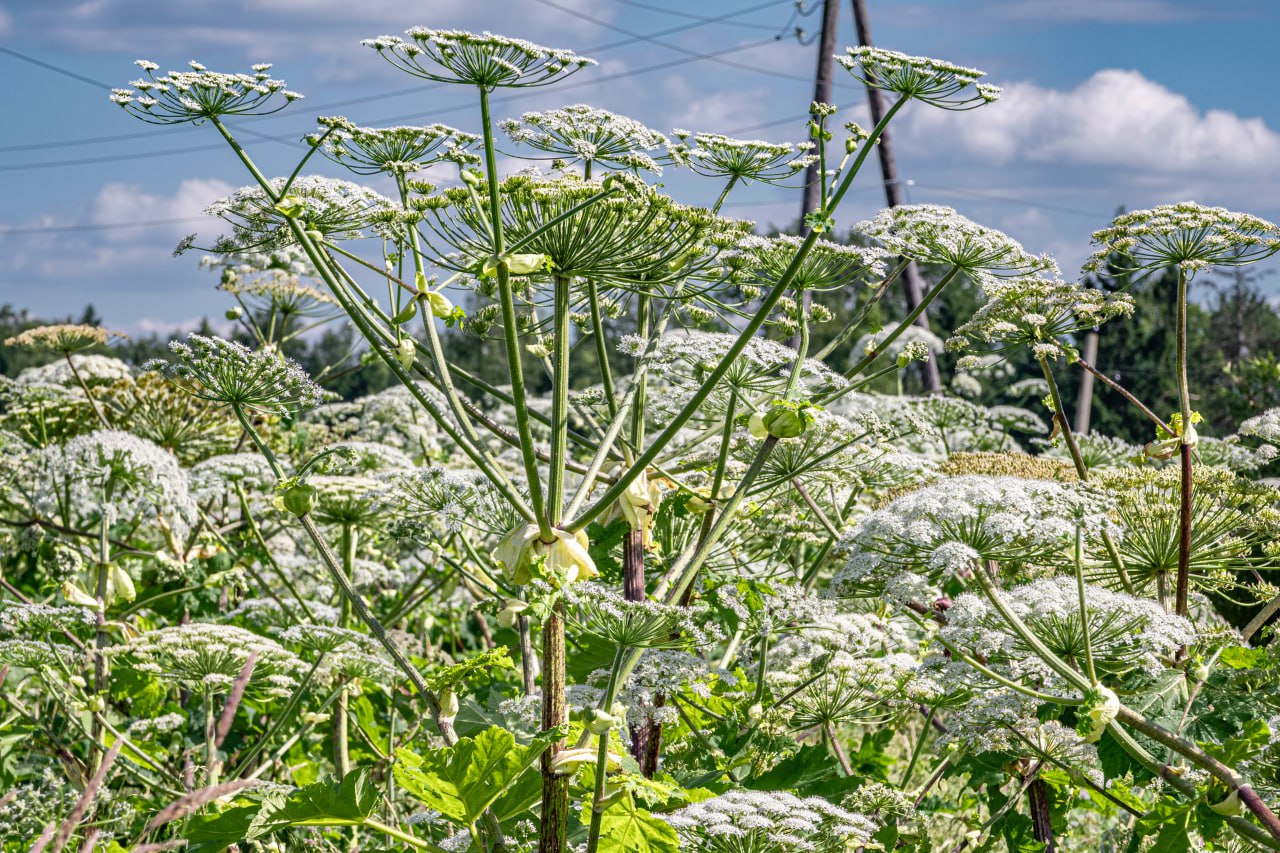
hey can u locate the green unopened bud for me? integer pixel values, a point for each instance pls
(313, 234)
(234, 313)
(598, 722)
(1230, 807)
(471, 178)
(290, 206)
(300, 498)
(119, 585)
(440, 304)
(755, 426)
(406, 352)
(526, 264)
(508, 615)
(74, 593)
(1102, 708)
(448, 705)
(786, 419)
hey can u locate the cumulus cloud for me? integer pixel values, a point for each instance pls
(181, 212)
(1115, 118)
(1112, 11)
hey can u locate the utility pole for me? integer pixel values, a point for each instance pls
(821, 94)
(893, 194)
(1084, 400)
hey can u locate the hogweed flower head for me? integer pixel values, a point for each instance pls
(638, 239)
(776, 821)
(118, 474)
(479, 59)
(1031, 311)
(228, 372)
(63, 338)
(936, 234)
(1187, 235)
(604, 613)
(580, 133)
(329, 207)
(393, 150)
(933, 81)
(827, 266)
(717, 156)
(945, 530)
(209, 658)
(199, 94)
(1126, 633)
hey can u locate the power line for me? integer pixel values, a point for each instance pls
(363, 99)
(608, 78)
(692, 17)
(602, 23)
(963, 191)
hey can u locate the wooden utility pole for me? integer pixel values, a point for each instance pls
(821, 94)
(893, 194)
(1084, 400)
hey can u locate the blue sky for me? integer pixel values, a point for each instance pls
(1108, 103)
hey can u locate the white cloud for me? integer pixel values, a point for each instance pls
(1113, 11)
(1116, 118)
(118, 203)
(6, 23)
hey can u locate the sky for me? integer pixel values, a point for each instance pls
(1107, 103)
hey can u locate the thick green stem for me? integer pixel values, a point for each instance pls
(602, 756)
(341, 724)
(559, 400)
(880, 346)
(602, 348)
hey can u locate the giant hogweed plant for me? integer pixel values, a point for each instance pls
(728, 600)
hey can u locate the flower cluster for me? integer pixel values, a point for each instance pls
(231, 373)
(827, 265)
(1126, 633)
(936, 234)
(485, 60)
(768, 820)
(62, 337)
(325, 207)
(1188, 235)
(179, 97)
(948, 529)
(585, 134)
(209, 658)
(1036, 313)
(393, 150)
(932, 81)
(718, 156)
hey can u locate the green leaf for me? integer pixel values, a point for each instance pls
(455, 675)
(462, 781)
(213, 833)
(347, 803)
(627, 829)
(1242, 657)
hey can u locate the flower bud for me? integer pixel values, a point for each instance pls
(119, 585)
(1102, 708)
(755, 426)
(406, 352)
(1230, 807)
(234, 313)
(448, 705)
(639, 504)
(299, 498)
(598, 722)
(508, 615)
(440, 305)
